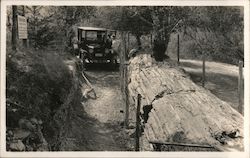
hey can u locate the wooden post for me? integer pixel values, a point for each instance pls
(137, 131)
(124, 41)
(14, 28)
(128, 43)
(125, 79)
(126, 96)
(178, 49)
(151, 40)
(203, 70)
(240, 87)
(25, 43)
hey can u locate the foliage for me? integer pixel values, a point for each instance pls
(39, 84)
(160, 21)
(68, 16)
(40, 30)
(217, 32)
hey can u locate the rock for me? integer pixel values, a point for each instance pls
(40, 122)
(34, 121)
(21, 134)
(132, 53)
(10, 133)
(17, 146)
(86, 92)
(26, 124)
(29, 148)
(43, 147)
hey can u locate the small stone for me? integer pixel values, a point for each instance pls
(29, 148)
(34, 121)
(14, 110)
(86, 92)
(10, 133)
(40, 122)
(26, 124)
(17, 146)
(21, 134)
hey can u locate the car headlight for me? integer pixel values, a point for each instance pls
(91, 50)
(106, 51)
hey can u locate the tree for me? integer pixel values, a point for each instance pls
(68, 16)
(47, 23)
(124, 19)
(162, 21)
(218, 31)
(137, 24)
(40, 25)
(220, 28)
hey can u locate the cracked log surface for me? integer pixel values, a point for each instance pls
(174, 109)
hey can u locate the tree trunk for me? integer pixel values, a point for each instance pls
(14, 28)
(174, 109)
(159, 46)
(138, 39)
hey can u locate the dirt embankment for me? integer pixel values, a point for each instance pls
(38, 84)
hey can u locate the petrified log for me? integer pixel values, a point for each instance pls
(174, 109)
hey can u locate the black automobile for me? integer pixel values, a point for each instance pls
(95, 45)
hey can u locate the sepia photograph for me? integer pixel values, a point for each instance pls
(124, 78)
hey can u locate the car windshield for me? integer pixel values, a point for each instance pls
(95, 35)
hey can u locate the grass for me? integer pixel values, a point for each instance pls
(221, 79)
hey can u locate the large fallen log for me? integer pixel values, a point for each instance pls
(174, 109)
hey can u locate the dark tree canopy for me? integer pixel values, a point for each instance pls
(215, 30)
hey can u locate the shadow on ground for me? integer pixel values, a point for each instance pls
(89, 134)
(102, 67)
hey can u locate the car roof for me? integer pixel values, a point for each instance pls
(93, 28)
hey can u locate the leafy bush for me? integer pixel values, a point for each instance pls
(42, 37)
(39, 82)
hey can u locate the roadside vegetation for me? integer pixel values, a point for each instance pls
(39, 87)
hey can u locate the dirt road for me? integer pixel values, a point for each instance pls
(107, 110)
(221, 79)
(108, 106)
(97, 124)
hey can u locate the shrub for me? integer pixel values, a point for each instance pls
(39, 82)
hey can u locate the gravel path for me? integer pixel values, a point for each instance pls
(97, 125)
(105, 115)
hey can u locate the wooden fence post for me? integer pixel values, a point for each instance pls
(14, 28)
(151, 40)
(126, 95)
(128, 43)
(137, 131)
(203, 69)
(240, 87)
(178, 49)
(124, 78)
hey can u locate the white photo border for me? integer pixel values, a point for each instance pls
(244, 3)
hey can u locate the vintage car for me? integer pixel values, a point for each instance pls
(95, 45)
